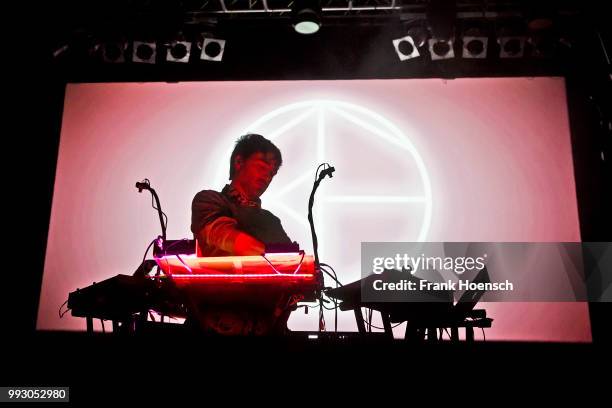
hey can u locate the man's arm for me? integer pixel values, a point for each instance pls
(222, 233)
(212, 224)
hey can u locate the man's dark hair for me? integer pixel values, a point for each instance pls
(250, 144)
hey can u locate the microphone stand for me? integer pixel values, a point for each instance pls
(147, 186)
(315, 243)
(147, 265)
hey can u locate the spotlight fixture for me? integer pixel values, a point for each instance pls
(405, 48)
(212, 49)
(114, 51)
(511, 46)
(542, 45)
(306, 15)
(178, 51)
(475, 47)
(80, 44)
(144, 52)
(475, 40)
(60, 50)
(419, 35)
(441, 49)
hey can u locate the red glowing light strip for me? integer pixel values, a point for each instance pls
(240, 276)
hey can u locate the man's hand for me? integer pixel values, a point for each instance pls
(224, 234)
(247, 245)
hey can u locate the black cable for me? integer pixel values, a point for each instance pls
(280, 273)
(165, 224)
(178, 241)
(370, 311)
(144, 257)
(335, 301)
(155, 203)
(335, 315)
(163, 213)
(330, 267)
(331, 276)
(318, 179)
(335, 309)
(310, 307)
(317, 171)
(380, 328)
(103, 328)
(443, 330)
(484, 338)
(315, 241)
(335, 277)
(321, 316)
(316, 306)
(60, 310)
(324, 301)
(323, 267)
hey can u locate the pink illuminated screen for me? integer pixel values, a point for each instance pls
(421, 159)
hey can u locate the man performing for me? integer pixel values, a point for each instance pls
(232, 222)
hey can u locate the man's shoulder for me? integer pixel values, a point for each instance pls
(270, 214)
(209, 196)
(208, 193)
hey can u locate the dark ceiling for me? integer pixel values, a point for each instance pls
(355, 40)
(65, 20)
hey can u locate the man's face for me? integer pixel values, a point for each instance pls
(253, 175)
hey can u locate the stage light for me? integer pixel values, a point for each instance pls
(542, 45)
(419, 35)
(178, 51)
(306, 15)
(441, 49)
(114, 51)
(60, 50)
(511, 37)
(80, 46)
(405, 48)
(475, 47)
(511, 46)
(212, 49)
(475, 43)
(144, 52)
(542, 38)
